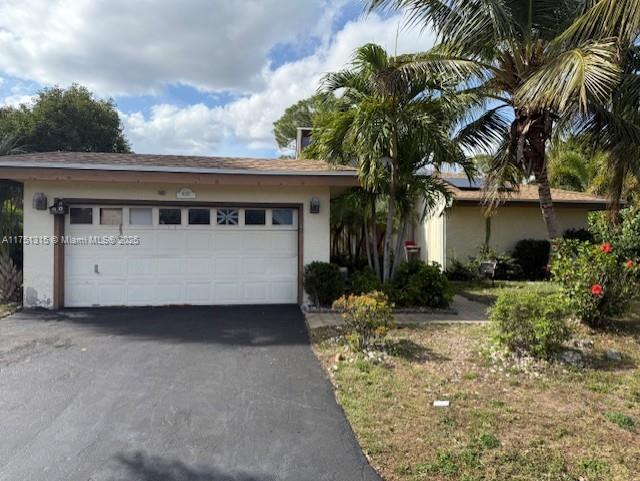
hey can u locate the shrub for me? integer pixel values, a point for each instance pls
(625, 234)
(507, 269)
(364, 281)
(532, 256)
(418, 284)
(323, 282)
(578, 234)
(598, 283)
(368, 317)
(458, 271)
(10, 280)
(525, 322)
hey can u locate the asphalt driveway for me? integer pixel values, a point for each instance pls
(169, 394)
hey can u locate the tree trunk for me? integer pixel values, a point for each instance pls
(533, 129)
(546, 204)
(399, 245)
(374, 232)
(388, 235)
(367, 245)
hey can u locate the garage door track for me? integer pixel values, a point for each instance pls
(169, 394)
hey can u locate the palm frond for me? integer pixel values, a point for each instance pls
(601, 19)
(573, 77)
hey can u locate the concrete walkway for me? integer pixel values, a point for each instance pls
(467, 312)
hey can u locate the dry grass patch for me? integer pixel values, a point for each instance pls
(5, 310)
(548, 423)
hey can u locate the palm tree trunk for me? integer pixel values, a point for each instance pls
(388, 235)
(399, 245)
(367, 245)
(546, 203)
(374, 233)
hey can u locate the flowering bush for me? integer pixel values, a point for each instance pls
(368, 317)
(598, 281)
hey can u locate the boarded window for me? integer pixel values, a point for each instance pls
(110, 216)
(140, 216)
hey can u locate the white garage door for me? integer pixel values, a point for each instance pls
(144, 256)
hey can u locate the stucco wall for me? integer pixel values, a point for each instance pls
(465, 226)
(38, 259)
(429, 235)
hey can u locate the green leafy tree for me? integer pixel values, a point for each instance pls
(540, 66)
(67, 120)
(396, 127)
(300, 114)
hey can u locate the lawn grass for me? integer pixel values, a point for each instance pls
(555, 423)
(486, 291)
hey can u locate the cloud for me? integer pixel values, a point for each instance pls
(125, 47)
(246, 123)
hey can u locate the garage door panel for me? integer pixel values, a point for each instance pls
(167, 266)
(111, 267)
(283, 242)
(169, 293)
(199, 241)
(254, 266)
(283, 291)
(111, 294)
(255, 292)
(227, 292)
(226, 266)
(198, 292)
(256, 242)
(185, 264)
(282, 266)
(230, 241)
(198, 266)
(76, 266)
(81, 294)
(171, 241)
(140, 267)
(140, 293)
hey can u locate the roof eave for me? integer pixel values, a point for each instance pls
(171, 169)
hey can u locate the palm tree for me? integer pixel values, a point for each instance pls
(539, 65)
(574, 165)
(394, 126)
(615, 128)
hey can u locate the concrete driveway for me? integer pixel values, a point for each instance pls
(169, 394)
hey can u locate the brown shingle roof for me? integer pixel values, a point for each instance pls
(176, 163)
(526, 193)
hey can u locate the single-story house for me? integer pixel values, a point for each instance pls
(104, 229)
(459, 230)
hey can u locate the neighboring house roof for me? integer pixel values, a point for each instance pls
(525, 194)
(173, 163)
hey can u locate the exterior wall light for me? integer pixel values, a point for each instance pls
(314, 205)
(39, 201)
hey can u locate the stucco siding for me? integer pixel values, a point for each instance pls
(465, 227)
(429, 235)
(38, 259)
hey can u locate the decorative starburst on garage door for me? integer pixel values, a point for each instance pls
(227, 217)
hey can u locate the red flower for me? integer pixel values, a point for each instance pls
(596, 290)
(545, 269)
(629, 264)
(606, 248)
